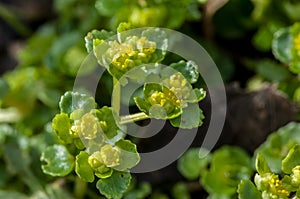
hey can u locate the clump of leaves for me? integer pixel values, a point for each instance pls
(283, 184)
(93, 139)
(219, 173)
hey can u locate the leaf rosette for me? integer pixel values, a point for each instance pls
(171, 96)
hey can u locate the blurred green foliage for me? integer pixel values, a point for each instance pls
(52, 55)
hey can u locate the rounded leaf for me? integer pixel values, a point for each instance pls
(109, 121)
(191, 166)
(247, 190)
(129, 157)
(115, 186)
(282, 45)
(82, 168)
(191, 117)
(188, 69)
(72, 101)
(61, 124)
(59, 162)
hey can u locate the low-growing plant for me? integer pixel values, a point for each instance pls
(228, 171)
(93, 139)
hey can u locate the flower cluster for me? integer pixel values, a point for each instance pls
(178, 84)
(271, 186)
(120, 57)
(96, 135)
(159, 102)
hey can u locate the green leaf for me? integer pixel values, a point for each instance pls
(123, 26)
(263, 38)
(16, 156)
(141, 192)
(96, 35)
(4, 88)
(282, 44)
(104, 174)
(278, 144)
(230, 155)
(272, 71)
(54, 59)
(180, 191)
(188, 69)
(160, 38)
(49, 97)
(247, 190)
(200, 94)
(215, 182)
(142, 105)
(82, 168)
(229, 165)
(129, 156)
(72, 60)
(291, 160)
(292, 10)
(191, 166)
(191, 117)
(108, 7)
(71, 101)
(61, 124)
(261, 165)
(110, 120)
(59, 162)
(115, 186)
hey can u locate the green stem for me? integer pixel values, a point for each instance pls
(80, 188)
(133, 118)
(116, 98)
(116, 101)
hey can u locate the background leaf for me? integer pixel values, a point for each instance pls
(247, 190)
(191, 166)
(278, 144)
(291, 160)
(4, 88)
(282, 44)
